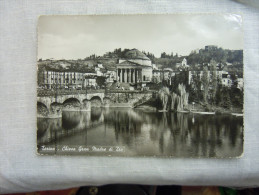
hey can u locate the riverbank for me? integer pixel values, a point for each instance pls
(120, 105)
(199, 108)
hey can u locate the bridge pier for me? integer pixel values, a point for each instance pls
(106, 102)
(54, 111)
(85, 105)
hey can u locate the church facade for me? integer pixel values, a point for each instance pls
(136, 67)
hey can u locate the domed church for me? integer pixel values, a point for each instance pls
(136, 67)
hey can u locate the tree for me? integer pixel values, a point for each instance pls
(214, 83)
(40, 77)
(234, 80)
(195, 87)
(218, 92)
(179, 100)
(100, 81)
(183, 98)
(225, 99)
(163, 55)
(164, 96)
(205, 84)
(236, 96)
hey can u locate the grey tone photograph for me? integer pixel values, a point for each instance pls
(140, 85)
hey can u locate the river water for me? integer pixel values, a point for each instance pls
(137, 132)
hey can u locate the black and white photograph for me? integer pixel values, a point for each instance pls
(165, 85)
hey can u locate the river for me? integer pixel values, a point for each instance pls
(137, 132)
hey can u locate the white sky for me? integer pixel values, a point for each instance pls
(74, 37)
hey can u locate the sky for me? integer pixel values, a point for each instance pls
(77, 37)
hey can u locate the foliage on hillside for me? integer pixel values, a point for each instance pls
(110, 59)
(219, 55)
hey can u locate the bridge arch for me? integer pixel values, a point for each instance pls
(96, 101)
(55, 106)
(42, 109)
(71, 104)
(41, 104)
(106, 99)
(71, 100)
(86, 100)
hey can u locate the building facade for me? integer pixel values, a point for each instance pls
(55, 79)
(59, 80)
(90, 81)
(134, 68)
(226, 80)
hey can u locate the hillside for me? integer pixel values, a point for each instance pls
(229, 59)
(77, 65)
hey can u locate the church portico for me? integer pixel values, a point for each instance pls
(135, 68)
(129, 75)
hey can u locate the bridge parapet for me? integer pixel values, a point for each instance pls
(44, 92)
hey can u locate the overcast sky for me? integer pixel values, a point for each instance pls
(74, 37)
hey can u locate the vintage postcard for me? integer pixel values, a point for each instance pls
(140, 85)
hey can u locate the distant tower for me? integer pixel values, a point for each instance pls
(184, 62)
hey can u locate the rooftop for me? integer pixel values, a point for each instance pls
(136, 54)
(128, 63)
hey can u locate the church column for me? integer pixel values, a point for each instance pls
(133, 75)
(129, 80)
(140, 75)
(122, 75)
(136, 75)
(130, 75)
(127, 76)
(117, 74)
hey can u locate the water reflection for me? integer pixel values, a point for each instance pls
(147, 133)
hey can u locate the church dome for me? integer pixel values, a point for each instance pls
(136, 54)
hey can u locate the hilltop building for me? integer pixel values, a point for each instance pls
(98, 69)
(183, 65)
(134, 68)
(211, 47)
(226, 80)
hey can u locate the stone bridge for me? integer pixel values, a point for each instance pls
(50, 105)
(60, 99)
